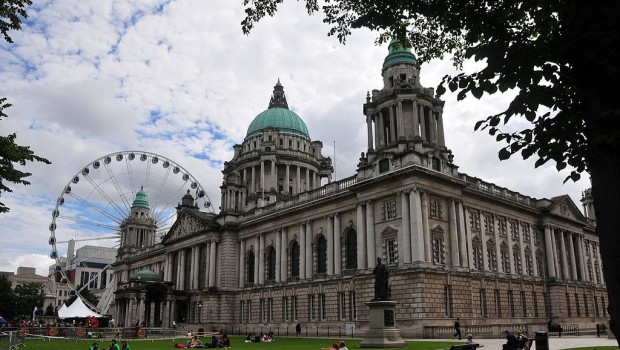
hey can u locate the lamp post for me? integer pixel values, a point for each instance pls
(199, 313)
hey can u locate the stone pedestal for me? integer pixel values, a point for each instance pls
(382, 332)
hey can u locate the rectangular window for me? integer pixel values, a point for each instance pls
(535, 299)
(570, 311)
(384, 165)
(511, 303)
(294, 308)
(435, 209)
(585, 305)
(577, 308)
(262, 310)
(483, 303)
(529, 265)
(270, 311)
(516, 258)
(523, 305)
(323, 307)
(596, 307)
(342, 306)
(488, 224)
(474, 220)
(352, 306)
(389, 209)
(312, 308)
(448, 300)
(501, 226)
(242, 311)
(514, 229)
(492, 259)
(248, 310)
(438, 252)
(285, 309)
(505, 261)
(477, 254)
(498, 306)
(390, 246)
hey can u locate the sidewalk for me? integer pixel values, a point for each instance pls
(555, 343)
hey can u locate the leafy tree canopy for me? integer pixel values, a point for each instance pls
(27, 296)
(11, 14)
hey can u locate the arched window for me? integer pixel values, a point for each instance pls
(250, 268)
(321, 255)
(295, 259)
(271, 264)
(351, 246)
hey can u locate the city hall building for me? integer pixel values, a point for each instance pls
(290, 245)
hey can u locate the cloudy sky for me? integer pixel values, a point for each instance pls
(179, 79)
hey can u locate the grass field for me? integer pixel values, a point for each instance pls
(237, 343)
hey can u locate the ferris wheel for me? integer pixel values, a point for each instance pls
(96, 200)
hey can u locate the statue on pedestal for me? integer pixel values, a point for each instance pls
(381, 281)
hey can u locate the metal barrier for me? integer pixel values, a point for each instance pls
(10, 340)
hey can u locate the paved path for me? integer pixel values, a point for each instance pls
(555, 343)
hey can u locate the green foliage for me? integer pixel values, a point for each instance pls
(12, 154)
(7, 299)
(545, 49)
(11, 14)
(27, 296)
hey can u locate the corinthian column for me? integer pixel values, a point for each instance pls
(417, 235)
(454, 240)
(302, 251)
(404, 234)
(549, 252)
(361, 238)
(241, 263)
(330, 245)
(212, 260)
(337, 247)
(261, 259)
(370, 232)
(278, 254)
(571, 251)
(565, 274)
(309, 238)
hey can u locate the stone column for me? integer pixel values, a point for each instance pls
(337, 247)
(510, 252)
(169, 261)
(287, 181)
(284, 263)
(128, 317)
(212, 260)
(192, 267)
(261, 259)
(522, 248)
(361, 238)
(440, 134)
(462, 236)
(330, 245)
(483, 240)
(498, 249)
(565, 273)
(253, 185)
(534, 258)
(549, 251)
(274, 175)
(262, 180)
(454, 240)
(179, 269)
(432, 125)
(581, 259)
(380, 130)
(302, 251)
(556, 254)
(416, 236)
(416, 119)
(573, 261)
(309, 239)
(392, 123)
(241, 263)
(426, 234)
(370, 234)
(400, 125)
(377, 131)
(298, 189)
(369, 130)
(183, 257)
(404, 234)
(422, 123)
(278, 254)
(256, 257)
(207, 262)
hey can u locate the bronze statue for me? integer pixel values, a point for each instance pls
(381, 281)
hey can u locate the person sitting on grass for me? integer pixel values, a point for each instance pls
(342, 346)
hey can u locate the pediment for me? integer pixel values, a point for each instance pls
(565, 207)
(186, 225)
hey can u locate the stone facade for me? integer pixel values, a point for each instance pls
(289, 245)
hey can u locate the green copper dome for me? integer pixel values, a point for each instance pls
(141, 200)
(278, 116)
(398, 54)
(145, 276)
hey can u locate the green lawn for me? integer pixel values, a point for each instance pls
(236, 341)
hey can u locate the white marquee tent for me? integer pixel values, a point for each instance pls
(77, 310)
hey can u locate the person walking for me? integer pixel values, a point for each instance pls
(457, 328)
(298, 330)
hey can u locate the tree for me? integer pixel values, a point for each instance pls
(7, 299)
(560, 56)
(27, 297)
(11, 14)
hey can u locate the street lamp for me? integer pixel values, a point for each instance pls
(200, 313)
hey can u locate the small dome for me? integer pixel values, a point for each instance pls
(141, 200)
(278, 116)
(398, 54)
(145, 276)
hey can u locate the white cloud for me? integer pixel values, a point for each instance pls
(179, 78)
